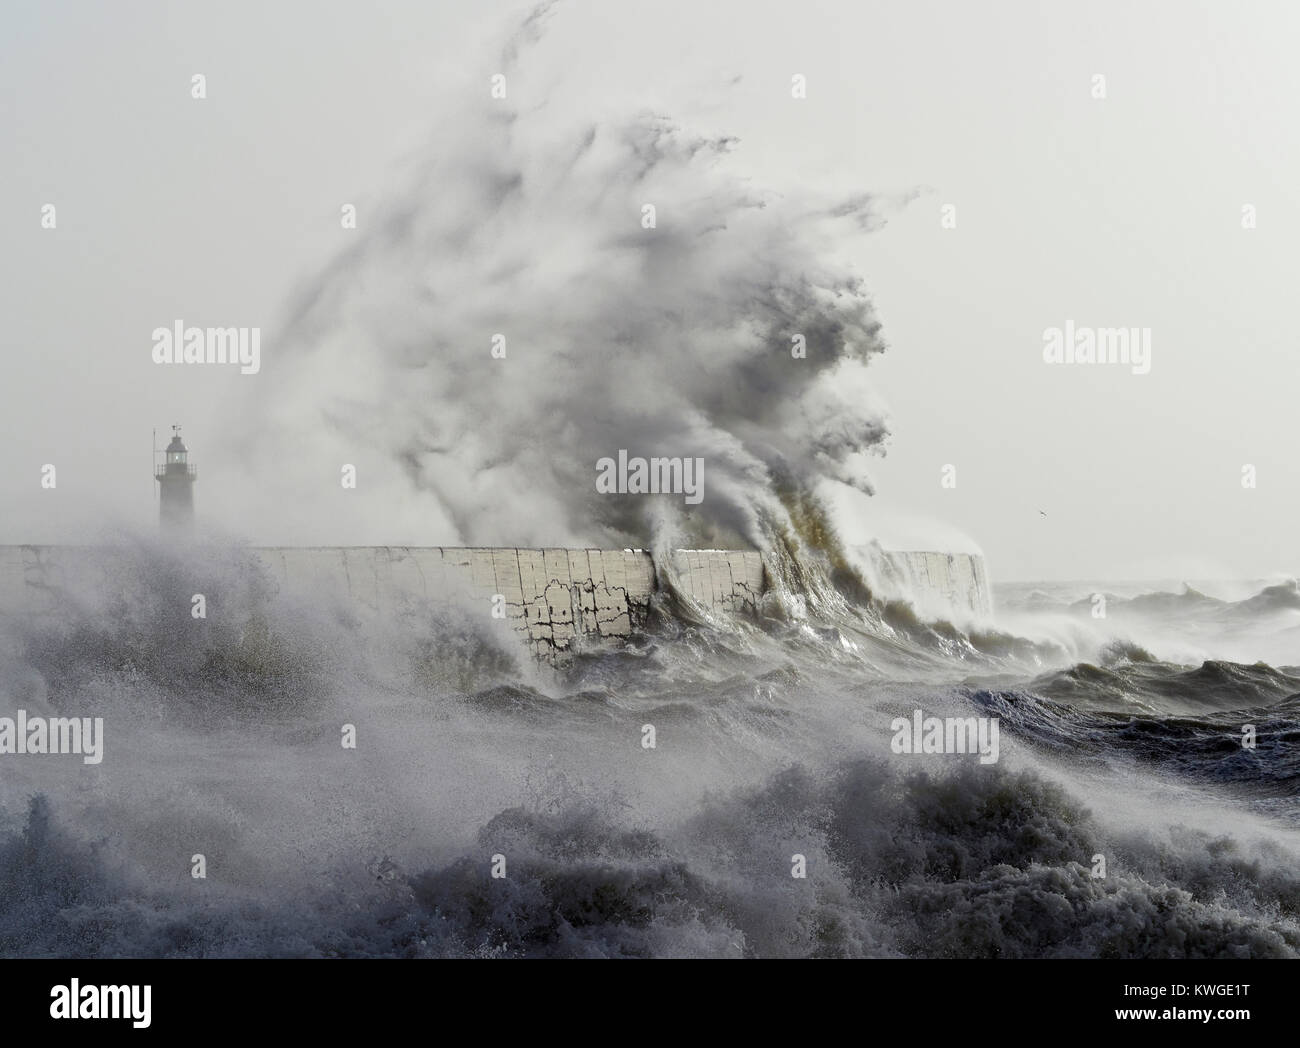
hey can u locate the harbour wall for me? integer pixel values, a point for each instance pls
(556, 599)
(938, 583)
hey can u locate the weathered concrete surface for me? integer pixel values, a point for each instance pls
(727, 579)
(934, 581)
(551, 596)
(555, 598)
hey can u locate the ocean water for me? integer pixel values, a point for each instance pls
(1120, 738)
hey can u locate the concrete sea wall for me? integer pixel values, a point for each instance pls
(556, 599)
(939, 583)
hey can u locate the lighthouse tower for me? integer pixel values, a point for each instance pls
(177, 476)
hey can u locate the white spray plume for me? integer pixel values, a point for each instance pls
(667, 341)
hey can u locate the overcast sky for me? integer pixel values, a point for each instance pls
(1122, 211)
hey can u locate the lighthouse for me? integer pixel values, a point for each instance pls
(176, 498)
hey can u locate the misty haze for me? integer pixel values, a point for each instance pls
(648, 480)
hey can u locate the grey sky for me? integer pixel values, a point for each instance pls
(1117, 212)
